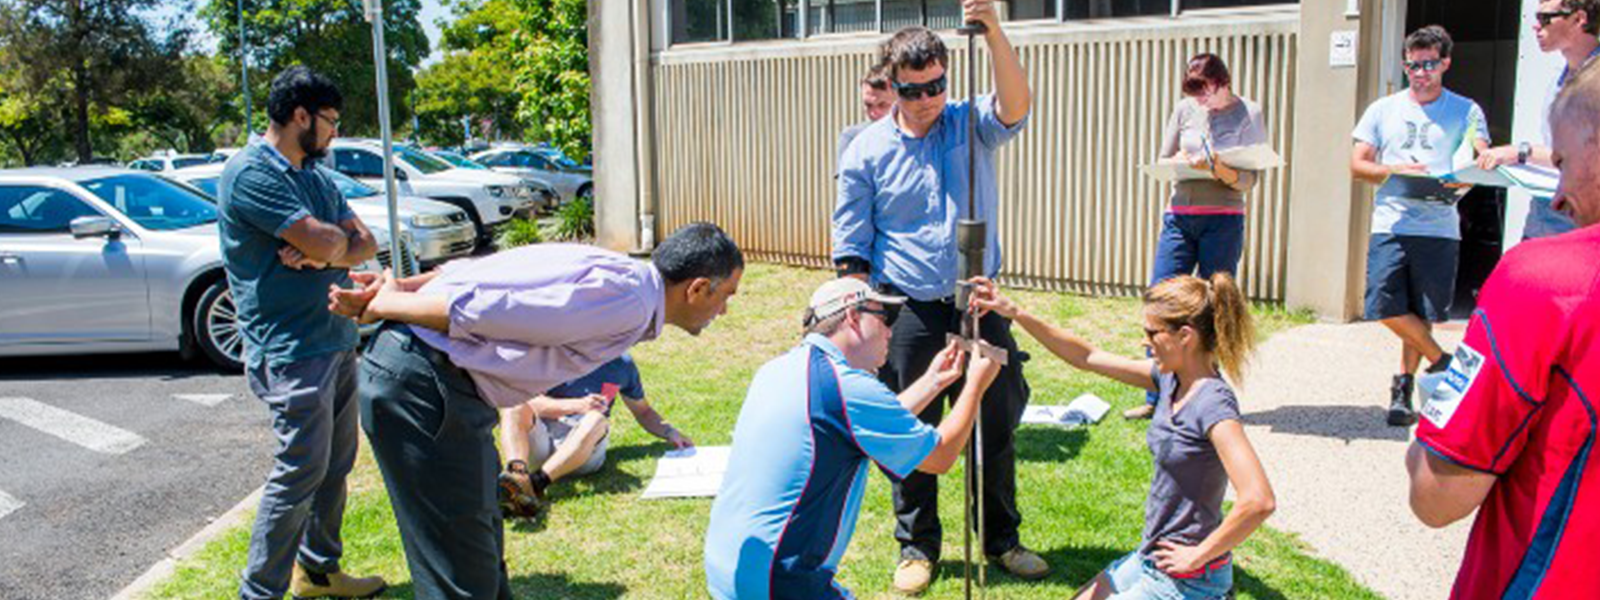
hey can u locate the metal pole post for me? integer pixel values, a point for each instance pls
(374, 9)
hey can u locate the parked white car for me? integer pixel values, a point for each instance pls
(169, 162)
(489, 198)
(549, 198)
(98, 260)
(437, 231)
(570, 179)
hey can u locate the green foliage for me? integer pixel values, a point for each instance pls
(332, 37)
(575, 220)
(518, 232)
(553, 73)
(190, 107)
(82, 61)
(475, 77)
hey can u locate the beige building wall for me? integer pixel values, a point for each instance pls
(744, 135)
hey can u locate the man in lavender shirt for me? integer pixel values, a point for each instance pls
(495, 332)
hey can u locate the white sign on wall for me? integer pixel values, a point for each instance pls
(1342, 49)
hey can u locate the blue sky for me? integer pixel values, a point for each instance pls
(432, 10)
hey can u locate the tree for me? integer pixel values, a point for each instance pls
(190, 105)
(99, 50)
(29, 119)
(333, 38)
(553, 73)
(475, 79)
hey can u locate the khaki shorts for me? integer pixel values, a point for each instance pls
(547, 434)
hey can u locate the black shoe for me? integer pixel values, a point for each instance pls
(1400, 413)
(1441, 365)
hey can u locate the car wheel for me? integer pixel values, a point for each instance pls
(216, 327)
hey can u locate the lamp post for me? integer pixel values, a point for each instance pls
(374, 13)
(244, 70)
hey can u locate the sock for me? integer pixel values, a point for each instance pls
(540, 481)
(1439, 366)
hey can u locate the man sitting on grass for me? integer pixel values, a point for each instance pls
(566, 430)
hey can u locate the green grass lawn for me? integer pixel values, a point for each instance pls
(1081, 491)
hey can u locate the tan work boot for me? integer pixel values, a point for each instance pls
(306, 584)
(913, 576)
(1142, 411)
(1023, 563)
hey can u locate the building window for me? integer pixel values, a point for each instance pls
(841, 16)
(1199, 4)
(699, 21)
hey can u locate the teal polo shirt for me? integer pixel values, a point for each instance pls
(283, 312)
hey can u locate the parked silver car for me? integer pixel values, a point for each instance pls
(570, 179)
(169, 162)
(97, 259)
(437, 231)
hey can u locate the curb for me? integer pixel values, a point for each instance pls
(169, 564)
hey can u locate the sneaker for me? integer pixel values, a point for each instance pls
(1441, 365)
(913, 576)
(1142, 411)
(1023, 563)
(518, 497)
(1400, 413)
(305, 584)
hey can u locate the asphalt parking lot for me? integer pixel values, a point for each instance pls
(107, 462)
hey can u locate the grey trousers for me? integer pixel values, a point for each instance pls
(432, 436)
(313, 404)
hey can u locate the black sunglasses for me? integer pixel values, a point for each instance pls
(918, 91)
(1546, 17)
(889, 312)
(1427, 66)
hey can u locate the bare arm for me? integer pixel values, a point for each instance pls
(1255, 501)
(1443, 492)
(651, 421)
(1011, 84)
(360, 245)
(943, 371)
(318, 240)
(1071, 348)
(957, 424)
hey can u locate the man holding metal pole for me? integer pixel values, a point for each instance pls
(903, 188)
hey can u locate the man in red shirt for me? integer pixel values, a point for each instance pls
(1510, 428)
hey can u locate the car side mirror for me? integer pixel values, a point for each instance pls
(95, 226)
(400, 175)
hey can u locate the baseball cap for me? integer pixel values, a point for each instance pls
(842, 293)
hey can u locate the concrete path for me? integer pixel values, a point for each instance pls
(1314, 404)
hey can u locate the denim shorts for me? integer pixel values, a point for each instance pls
(1135, 577)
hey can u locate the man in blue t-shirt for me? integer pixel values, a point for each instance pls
(1411, 258)
(812, 422)
(287, 236)
(566, 431)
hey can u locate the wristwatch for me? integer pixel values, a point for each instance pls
(1524, 150)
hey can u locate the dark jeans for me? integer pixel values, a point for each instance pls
(1213, 243)
(919, 335)
(432, 437)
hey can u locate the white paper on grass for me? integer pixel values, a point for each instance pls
(689, 473)
(1084, 410)
(1259, 157)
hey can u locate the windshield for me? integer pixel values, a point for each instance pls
(207, 185)
(348, 187)
(561, 160)
(460, 162)
(422, 162)
(152, 202)
(190, 161)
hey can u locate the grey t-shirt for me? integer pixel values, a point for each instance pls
(1185, 503)
(1237, 126)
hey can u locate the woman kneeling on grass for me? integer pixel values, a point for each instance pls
(1191, 326)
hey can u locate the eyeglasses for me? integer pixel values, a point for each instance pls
(334, 123)
(1546, 17)
(888, 313)
(1426, 66)
(918, 91)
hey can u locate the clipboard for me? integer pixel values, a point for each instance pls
(1422, 187)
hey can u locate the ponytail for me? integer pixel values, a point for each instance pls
(1216, 309)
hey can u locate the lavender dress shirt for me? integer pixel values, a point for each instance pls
(526, 320)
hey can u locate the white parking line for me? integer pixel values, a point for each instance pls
(8, 504)
(204, 399)
(69, 426)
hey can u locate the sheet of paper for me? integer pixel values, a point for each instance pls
(1086, 409)
(689, 473)
(1259, 157)
(1170, 170)
(1539, 181)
